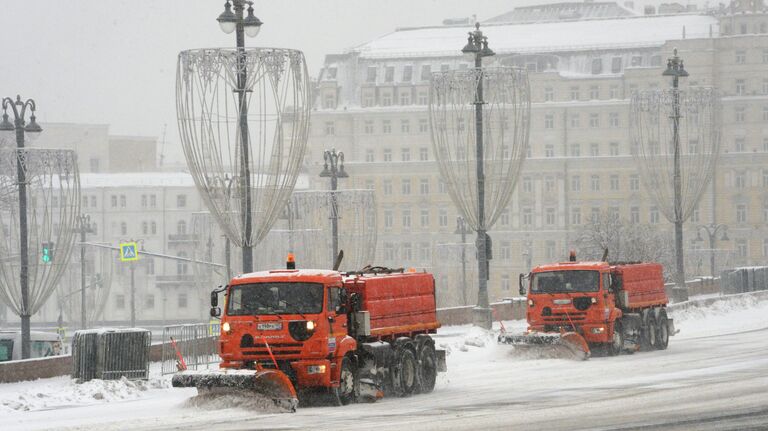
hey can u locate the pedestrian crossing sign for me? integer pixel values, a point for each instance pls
(128, 252)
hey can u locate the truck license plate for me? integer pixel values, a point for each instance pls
(270, 326)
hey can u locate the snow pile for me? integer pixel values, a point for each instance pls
(62, 392)
(250, 401)
(736, 313)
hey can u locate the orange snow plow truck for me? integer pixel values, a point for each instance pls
(574, 307)
(287, 334)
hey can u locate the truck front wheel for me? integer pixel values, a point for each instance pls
(617, 341)
(347, 390)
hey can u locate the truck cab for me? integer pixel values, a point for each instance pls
(572, 297)
(292, 320)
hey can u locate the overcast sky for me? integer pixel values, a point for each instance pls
(113, 61)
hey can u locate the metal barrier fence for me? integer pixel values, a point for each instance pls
(197, 343)
(742, 280)
(110, 354)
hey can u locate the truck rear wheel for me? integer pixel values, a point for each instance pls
(403, 372)
(427, 369)
(662, 332)
(648, 335)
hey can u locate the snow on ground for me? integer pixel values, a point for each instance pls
(481, 372)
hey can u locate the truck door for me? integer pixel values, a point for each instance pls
(337, 316)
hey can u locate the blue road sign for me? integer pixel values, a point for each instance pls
(128, 252)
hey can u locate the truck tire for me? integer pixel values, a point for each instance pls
(403, 372)
(347, 390)
(648, 334)
(662, 331)
(617, 341)
(427, 369)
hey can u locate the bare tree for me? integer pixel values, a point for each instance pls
(625, 242)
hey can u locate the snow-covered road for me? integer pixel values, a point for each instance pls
(713, 376)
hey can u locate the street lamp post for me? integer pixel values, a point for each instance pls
(333, 168)
(712, 230)
(676, 70)
(463, 228)
(477, 45)
(84, 227)
(19, 110)
(250, 25)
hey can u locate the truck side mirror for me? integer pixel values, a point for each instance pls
(343, 298)
(215, 311)
(214, 298)
(520, 283)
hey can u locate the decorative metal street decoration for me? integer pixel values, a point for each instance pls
(51, 199)
(480, 124)
(243, 117)
(675, 140)
(99, 264)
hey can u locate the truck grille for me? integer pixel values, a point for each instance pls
(279, 350)
(562, 319)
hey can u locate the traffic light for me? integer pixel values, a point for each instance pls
(47, 252)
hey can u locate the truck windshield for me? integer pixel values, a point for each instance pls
(275, 298)
(565, 281)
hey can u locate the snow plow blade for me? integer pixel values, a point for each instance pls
(569, 345)
(269, 383)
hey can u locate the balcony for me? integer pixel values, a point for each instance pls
(182, 238)
(179, 280)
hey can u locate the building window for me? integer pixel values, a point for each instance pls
(741, 248)
(740, 114)
(387, 186)
(549, 121)
(367, 100)
(153, 201)
(527, 185)
(181, 201)
(739, 145)
(425, 252)
(576, 183)
(123, 228)
(406, 219)
(389, 251)
(614, 148)
(182, 303)
(120, 302)
(181, 227)
(741, 57)
(527, 217)
(405, 154)
(574, 93)
(637, 61)
(594, 120)
(407, 73)
(695, 214)
(423, 125)
(426, 72)
(594, 213)
(153, 227)
(740, 87)
(634, 215)
(113, 201)
(423, 98)
(597, 66)
(549, 150)
(405, 186)
(549, 249)
(144, 228)
(549, 216)
(549, 184)
(634, 183)
(386, 99)
(331, 75)
(424, 186)
(441, 187)
(505, 284)
(407, 254)
(594, 92)
(741, 213)
(369, 184)
(424, 218)
(654, 219)
(389, 74)
(616, 65)
(386, 126)
(143, 201)
(504, 218)
(329, 101)
(549, 94)
(371, 74)
(442, 218)
(405, 98)
(575, 120)
(613, 92)
(388, 219)
(329, 128)
(594, 183)
(613, 119)
(123, 201)
(575, 150)
(594, 149)
(575, 216)
(369, 156)
(181, 265)
(505, 252)
(93, 201)
(614, 180)
(423, 154)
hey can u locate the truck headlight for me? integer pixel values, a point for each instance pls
(530, 302)
(316, 369)
(598, 330)
(310, 325)
(225, 327)
(594, 300)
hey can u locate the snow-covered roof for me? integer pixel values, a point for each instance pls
(613, 33)
(153, 179)
(561, 11)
